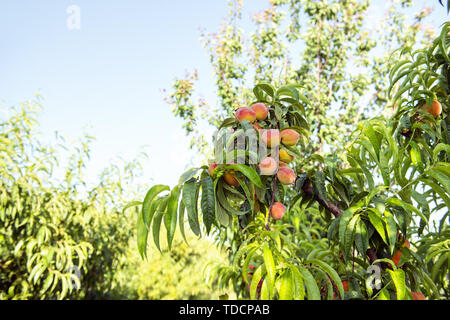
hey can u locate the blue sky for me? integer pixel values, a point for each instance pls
(106, 77)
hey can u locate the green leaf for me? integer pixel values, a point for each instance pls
(398, 277)
(286, 286)
(384, 294)
(439, 148)
(299, 288)
(170, 218)
(361, 238)
(257, 275)
(181, 210)
(208, 201)
(349, 235)
(270, 267)
(143, 228)
(344, 221)
(151, 194)
(331, 272)
(221, 215)
(189, 196)
(378, 223)
(131, 204)
(189, 174)
(247, 171)
(267, 88)
(312, 289)
(391, 228)
(441, 177)
(156, 225)
(320, 185)
(408, 207)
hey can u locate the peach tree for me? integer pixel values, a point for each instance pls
(349, 225)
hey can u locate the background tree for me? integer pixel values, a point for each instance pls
(334, 49)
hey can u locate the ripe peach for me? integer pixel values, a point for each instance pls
(435, 109)
(345, 285)
(211, 168)
(260, 110)
(286, 175)
(396, 257)
(271, 137)
(285, 156)
(229, 178)
(245, 114)
(268, 166)
(277, 210)
(418, 296)
(289, 137)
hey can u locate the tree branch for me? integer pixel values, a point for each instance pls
(328, 205)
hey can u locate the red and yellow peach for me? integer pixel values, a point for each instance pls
(289, 137)
(277, 211)
(260, 110)
(245, 114)
(435, 108)
(229, 178)
(271, 137)
(286, 175)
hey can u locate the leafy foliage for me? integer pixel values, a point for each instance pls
(346, 212)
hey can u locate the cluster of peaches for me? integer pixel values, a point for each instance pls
(274, 164)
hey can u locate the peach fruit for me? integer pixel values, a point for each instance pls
(271, 137)
(277, 210)
(245, 114)
(286, 175)
(396, 257)
(345, 285)
(260, 110)
(435, 109)
(289, 137)
(268, 166)
(285, 156)
(230, 179)
(418, 296)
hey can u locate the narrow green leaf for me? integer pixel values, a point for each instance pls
(312, 289)
(156, 225)
(208, 201)
(170, 218)
(189, 196)
(270, 267)
(398, 277)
